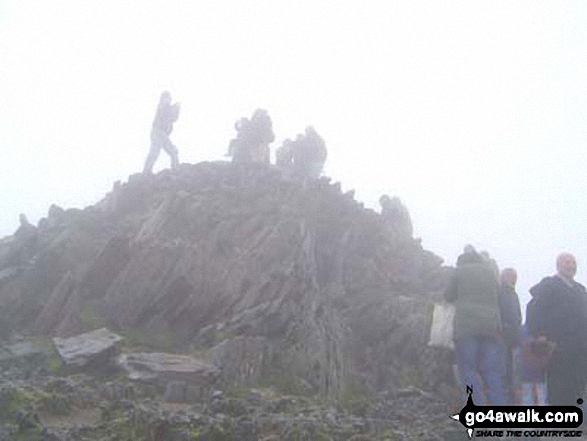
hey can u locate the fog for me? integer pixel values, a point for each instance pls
(473, 113)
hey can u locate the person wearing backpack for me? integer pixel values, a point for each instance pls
(479, 346)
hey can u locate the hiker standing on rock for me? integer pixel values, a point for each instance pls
(479, 346)
(559, 315)
(166, 115)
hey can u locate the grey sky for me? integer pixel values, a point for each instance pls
(472, 112)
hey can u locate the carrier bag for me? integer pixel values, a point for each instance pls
(442, 329)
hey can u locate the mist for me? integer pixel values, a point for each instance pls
(473, 113)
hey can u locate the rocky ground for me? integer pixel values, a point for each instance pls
(41, 399)
(250, 305)
(85, 408)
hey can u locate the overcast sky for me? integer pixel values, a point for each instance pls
(472, 112)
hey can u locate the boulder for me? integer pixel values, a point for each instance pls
(88, 348)
(184, 378)
(172, 367)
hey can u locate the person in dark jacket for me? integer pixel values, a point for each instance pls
(396, 216)
(532, 357)
(166, 115)
(511, 320)
(558, 313)
(480, 350)
(309, 154)
(252, 139)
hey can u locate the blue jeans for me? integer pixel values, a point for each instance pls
(482, 365)
(533, 394)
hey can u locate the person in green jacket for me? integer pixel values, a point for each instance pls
(479, 347)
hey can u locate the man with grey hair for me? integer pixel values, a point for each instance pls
(559, 315)
(166, 115)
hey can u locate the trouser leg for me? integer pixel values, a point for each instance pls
(492, 365)
(152, 157)
(565, 380)
(541, 393)
(467, 352)
(527, 394)
(172, 152)
(509, 374)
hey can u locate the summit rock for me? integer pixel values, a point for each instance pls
(270, 275)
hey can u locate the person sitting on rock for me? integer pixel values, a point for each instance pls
(396, 215)
(309, 154)
(166, 115)
(253, 138)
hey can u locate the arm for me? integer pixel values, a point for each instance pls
(518, 310)
(537, 313)
(450, 294)
(511, 317)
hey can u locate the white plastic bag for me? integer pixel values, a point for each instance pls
(442, 329)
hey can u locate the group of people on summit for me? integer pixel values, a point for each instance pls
(305, 156)
(543, 361)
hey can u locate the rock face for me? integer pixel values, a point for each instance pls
(223, 255)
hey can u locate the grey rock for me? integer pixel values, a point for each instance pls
(84, 348)
(215, 255)
(158, 365)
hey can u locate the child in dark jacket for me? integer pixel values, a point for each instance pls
(532, 357)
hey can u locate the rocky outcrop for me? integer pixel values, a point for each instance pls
(218, 255)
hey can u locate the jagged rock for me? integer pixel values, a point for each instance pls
(215, 252)
(83, 349)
